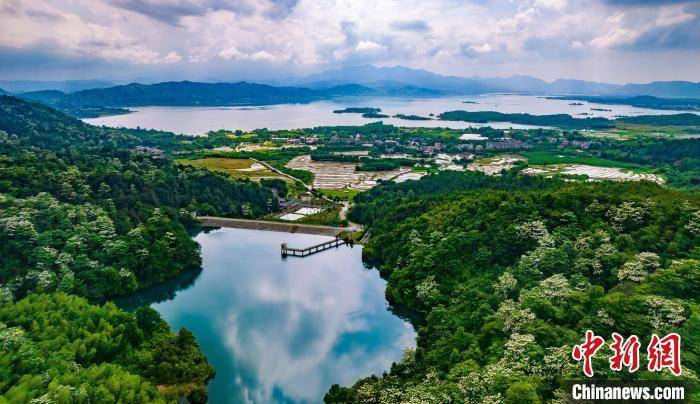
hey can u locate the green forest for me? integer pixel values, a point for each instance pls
(501, 276)
(83, 218)
(60, 348)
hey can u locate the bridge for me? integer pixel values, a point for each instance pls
(304, 252)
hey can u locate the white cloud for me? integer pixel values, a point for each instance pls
(368, 46)
(551, 4)
(230, 53)
(172, 57)
(442, 35)
(263, 55)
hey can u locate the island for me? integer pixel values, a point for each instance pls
(412, 117)
(357, 110)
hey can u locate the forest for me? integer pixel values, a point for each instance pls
(83, 218)
(558, 120)
(60, 348)
(501, 276)
(568, 121)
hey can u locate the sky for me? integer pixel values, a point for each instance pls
(614, 41)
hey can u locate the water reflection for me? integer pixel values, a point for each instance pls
(285, 330)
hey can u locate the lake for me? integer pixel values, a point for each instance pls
(281, 330)
(200, 120)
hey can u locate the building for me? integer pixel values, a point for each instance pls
(507, 143)
(151, 151)
(581, 144)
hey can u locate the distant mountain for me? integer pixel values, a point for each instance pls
(190, 93)
(663, 89)
(185, 93)
(642, 101)
(364, 80)
(568, 86)
(3, 91)
(390, 79)
(49, 97)
(67, 86)
(369, 75)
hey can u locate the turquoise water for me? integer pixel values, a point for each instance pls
(282, 330)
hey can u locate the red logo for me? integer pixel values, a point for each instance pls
(665, 353)
(662, 353)
(626, 353)
(587, 350)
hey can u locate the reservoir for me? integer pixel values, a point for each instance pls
(200, 120)
(281, 330)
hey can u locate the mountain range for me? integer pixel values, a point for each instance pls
(371, 76)
(363, 80)
(68, 86)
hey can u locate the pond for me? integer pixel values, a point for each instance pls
(281, 330)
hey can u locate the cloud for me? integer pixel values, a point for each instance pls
(205, 36)
(368, 46)
(648, 3)
(412, 25)
(171, 57)
(667, 28)
(171, 11)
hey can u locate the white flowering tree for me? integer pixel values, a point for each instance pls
(665, 313)
(637, 268)
(628, 215)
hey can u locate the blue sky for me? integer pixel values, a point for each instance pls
(604, 40)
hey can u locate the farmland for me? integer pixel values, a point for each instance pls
(237, 168)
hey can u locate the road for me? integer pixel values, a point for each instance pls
(213, 221)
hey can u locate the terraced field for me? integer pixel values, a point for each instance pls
(594, 173)
(334, 175)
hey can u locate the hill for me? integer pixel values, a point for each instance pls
(86, 103)
(190, 93)
(85, 217)
(61, 178)
(503, 276)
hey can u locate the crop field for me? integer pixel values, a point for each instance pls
(334, 175)
(494, 165)
(593, 172)
(623, 131)
(546, 158)
(238, 168)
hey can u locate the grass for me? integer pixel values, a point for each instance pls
(547, 158)
(230, 166)
(345, 194)
(328, 217)
(624, 131)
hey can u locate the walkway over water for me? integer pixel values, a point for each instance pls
(211, 221)
(303, 252)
